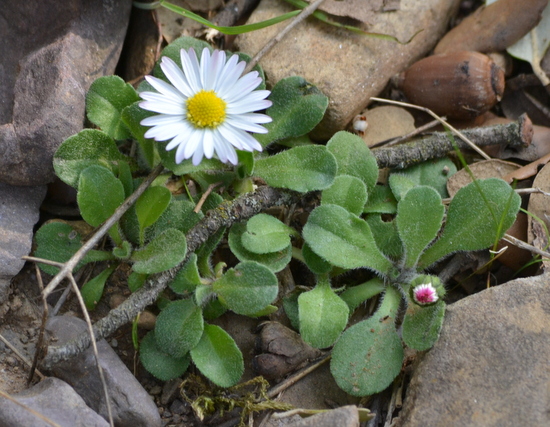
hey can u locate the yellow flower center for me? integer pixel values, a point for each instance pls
(205, 109)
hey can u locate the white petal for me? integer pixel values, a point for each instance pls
(165, 89)
(205, 68)
(256, 118)
(235, 121)
(229, 75)
(197, 155)
(208, 144)
(239, 138)
(247, 106)
(218, 62)
(181, 137)
(195, 140)
(165, 132)
(176, 76)
(243, 87)
(180, 153)
(161, 119)
(191, 70)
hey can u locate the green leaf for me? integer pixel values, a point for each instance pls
(218, 357)
(306, 168)
(368, 356)
(290, 305)
(266, 234)
(479, 214)
(179, 215)
(433, 173)
(168, 159)
(275, 261)
(136, 280)
(132, 116)
(99, 194)
(314, 262)
(247, 288)
(86, 148)
(419, 218)
(151, 205)
(93, 289)
(323, 315)
(298, 106)
(159, 364)
(381, 200)
(165, 251)
(344, 240)
(400, 184)
(354, 157)
(179, 327)
(421, 325)
(58, 241)
(386, 236)
(187, 278)
(123, 251)
(347, 191)
(105, 101)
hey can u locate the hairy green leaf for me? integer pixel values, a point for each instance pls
(159, 364)
(218, 357)
(305, 168)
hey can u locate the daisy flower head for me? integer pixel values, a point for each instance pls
(207, 108)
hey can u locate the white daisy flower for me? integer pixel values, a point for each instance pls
(208, 108)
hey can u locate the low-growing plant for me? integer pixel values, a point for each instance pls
(348, 232)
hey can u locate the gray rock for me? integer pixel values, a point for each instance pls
(50, 56)
(346, 416)
(18, 214)
(53, 399)
(131, 405)
(349, 68)
(490, 365)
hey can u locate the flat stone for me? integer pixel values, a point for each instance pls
(55, 400)
(346, 416)
(490, 364)
(19, 211)
(347, 67)
(131, 404)
(50, 56)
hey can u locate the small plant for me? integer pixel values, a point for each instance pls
(344, 233)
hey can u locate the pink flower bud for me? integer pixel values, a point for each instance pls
(425, 294)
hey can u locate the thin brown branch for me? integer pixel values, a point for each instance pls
(225, 215)
(121, 210)
(94, 347)
(439, 144)
(40, 342)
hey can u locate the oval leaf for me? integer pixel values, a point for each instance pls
(99, 194)
(323, 315)
(479, 215)
(419, 218)
(298, 106)
(344, 239)
(151, 204)
(165, 251)
(159, 364)
(421, 325)
(58, 241)
(265, 233)
(347, 191)
(218, 357)
(354, 157)
(105, 100)
(86, 148)
(179, 327)
(247, 288)
(275, 261)
(367, 357)
(306, 168)
(92, 290)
